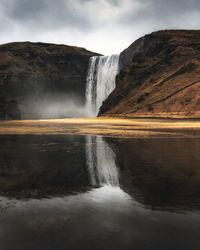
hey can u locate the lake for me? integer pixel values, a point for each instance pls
(94, 192)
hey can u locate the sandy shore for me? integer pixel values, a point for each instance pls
(104, 126)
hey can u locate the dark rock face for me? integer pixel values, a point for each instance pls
(40, 80)
(160, 76)
(134, 49)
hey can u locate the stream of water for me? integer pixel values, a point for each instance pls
(100, 81)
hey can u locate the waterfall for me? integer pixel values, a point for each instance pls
(101, 162)
(100, 81)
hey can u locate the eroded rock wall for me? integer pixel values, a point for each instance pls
(160, 76)
(39, 80)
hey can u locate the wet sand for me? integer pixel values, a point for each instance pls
(126, 127)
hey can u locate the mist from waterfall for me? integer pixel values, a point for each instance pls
(100, 81)
(101, 162)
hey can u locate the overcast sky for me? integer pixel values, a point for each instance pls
(104, 26)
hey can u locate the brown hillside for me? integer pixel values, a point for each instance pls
(39, 80)
(160, 76)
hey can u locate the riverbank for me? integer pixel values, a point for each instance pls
(107, 126)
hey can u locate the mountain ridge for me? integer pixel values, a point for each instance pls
(159, 76)
(39, 80)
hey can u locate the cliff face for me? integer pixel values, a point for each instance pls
(160, 76)
(40, 80)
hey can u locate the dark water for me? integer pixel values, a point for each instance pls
(149, 198)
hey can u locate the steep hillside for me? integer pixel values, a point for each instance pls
(160, 76)
(39, 80)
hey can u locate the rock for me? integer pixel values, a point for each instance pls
(159, 76)
(39, 80)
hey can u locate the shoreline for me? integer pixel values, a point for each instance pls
(106, 126)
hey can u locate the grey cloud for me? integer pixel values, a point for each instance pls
(59, 14)
(118, 22)
(114, 2)
(166, 13)
(24, 10)
(173, 9)
(48, 14)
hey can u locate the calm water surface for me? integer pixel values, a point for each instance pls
(88, 192)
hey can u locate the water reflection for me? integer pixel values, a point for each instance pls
(160, 173)
(146, 183)
(104, 218)
(37, 166)
(101, 162)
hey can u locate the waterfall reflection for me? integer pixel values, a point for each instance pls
(101, 162)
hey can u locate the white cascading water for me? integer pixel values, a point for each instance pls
(101, 162)
(100, 81)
